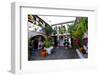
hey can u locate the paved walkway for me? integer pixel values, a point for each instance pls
(57, 53)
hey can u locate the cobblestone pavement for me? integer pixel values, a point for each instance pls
(57, 53)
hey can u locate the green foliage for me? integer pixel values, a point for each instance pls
(78, 29)
(29, 48)
(48, 30)
(54, 32)
(29, 42)
(48, 42)
(62, 29)
(71, 28)
(40, 25)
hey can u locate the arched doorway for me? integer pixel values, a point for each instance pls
(36, 39)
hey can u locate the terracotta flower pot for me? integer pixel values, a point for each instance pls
(82, 50)
(44, 53)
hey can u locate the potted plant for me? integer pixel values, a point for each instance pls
(48, 45)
